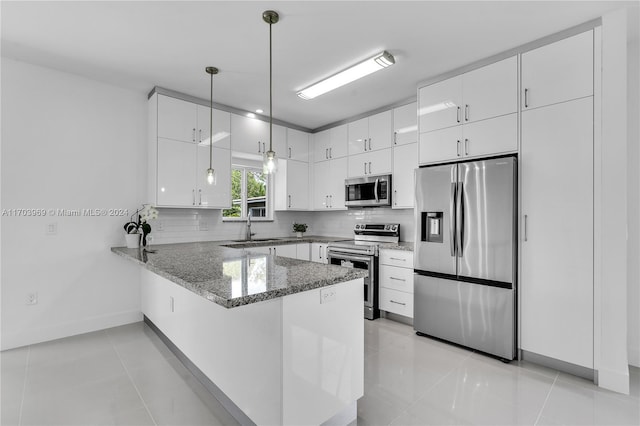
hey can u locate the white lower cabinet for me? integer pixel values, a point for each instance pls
(294, 251)
(319, 252)
(302, 251)
(396, 282)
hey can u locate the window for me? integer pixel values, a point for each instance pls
(249, 193)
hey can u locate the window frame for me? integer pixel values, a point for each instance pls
(245, 168)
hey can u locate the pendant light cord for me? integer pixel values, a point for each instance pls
(211, 126)
(270, 90)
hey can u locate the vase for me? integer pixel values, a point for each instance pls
(299, 234)
(133, 240)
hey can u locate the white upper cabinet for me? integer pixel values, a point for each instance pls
(558, 72)
(177, 119)
(221, 127)
(292, 185)
(405, 124)
(218, 195)
(405, 161)
(297, 145)
(490, 91)
(328, 181)
(331, 143)
(251, 136)
(440, 105)
(370, 133)
(440, 145)
(370, 163)
(179, 158)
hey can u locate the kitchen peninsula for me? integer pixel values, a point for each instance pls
(280, 340)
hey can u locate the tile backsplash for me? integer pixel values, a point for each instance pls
(185, 225)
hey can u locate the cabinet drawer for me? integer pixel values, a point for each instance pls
(396, 278)
(398, 302)
(400, 258)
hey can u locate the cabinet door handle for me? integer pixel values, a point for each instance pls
(263, 148)
(458, 114)
(365, 167)
(365, 144)
(526, 98)
(258, 146)
(466, 146)
(326, 154)
(289, 152)
(319, 252)
(172, 304)
(330, 153)
(326, 201)
(193, 134)
(289, 201)
(395, 197)
(199, 135)
(331, 201)
(458, 147)
(275, 252)
(395, 138)
(466, 113)
(397, 279)
(200, 197)
(369, 167)
(525, 227)
(398, 303)
(193, 192)
(398, 258)
(369, 144)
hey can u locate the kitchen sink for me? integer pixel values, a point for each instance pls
(255, 240)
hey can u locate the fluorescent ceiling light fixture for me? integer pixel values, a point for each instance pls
(366, 67)
(436, 107)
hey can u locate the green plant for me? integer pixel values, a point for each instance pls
(141, 226)
(300, 227)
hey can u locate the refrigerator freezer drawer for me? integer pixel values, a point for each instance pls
(473, 315)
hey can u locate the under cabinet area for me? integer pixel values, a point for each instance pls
(396, 282)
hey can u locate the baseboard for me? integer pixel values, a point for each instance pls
(617, 381)
(634, 357)
(59, 331)
(576, 370)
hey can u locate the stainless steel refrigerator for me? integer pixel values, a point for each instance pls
(465, 254)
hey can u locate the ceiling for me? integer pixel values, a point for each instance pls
(139, 45)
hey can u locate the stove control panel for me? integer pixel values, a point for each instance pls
(389, 229)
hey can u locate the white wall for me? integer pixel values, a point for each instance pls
(67, 143)
(633, 193)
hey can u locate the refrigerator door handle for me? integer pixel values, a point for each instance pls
(460, 219)
(452, 218)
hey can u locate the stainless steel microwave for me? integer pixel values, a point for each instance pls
(370, 191)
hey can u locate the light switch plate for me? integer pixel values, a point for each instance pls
(327, 295)
(52, 228)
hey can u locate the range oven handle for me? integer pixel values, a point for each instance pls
(344, 256)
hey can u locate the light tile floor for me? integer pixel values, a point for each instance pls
(127, 376)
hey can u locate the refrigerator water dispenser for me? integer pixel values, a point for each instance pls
(432, 227)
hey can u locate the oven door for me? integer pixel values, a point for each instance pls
(370, 191)
(364, 262)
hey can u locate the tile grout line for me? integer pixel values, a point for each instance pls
(144, 404)
(24, 384)
(544, 404)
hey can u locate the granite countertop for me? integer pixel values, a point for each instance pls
(402, 245)
(233, 277)
(280, 241)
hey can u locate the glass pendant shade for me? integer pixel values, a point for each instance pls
(211, 176)
(269, 163)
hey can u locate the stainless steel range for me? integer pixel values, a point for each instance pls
(362, 253)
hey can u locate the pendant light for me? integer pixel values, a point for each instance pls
(211, 174)
(270, 162)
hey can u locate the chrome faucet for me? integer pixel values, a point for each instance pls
(249, 234)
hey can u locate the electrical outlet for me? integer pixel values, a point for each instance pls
(203, 225)
(32, 298)
(159, 226)
(52, 228)
(327, 295)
